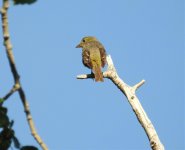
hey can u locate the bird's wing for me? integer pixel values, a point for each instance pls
(103, 56)
(86, 58)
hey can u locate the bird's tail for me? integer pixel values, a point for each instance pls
(97, 73)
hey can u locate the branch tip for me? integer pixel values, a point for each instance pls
(135, 87)
(85, 76)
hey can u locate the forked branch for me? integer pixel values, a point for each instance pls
(129, 92)
(17, 84)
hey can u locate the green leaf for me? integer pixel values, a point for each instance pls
(3, 110)
(1, 100)
(5, 144)
(4, 121)
(22, 2)
(6, 138)
(29, 148)
(16, 142)
(11, 124)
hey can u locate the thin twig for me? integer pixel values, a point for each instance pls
(8, 48)
(15, 88)
(138, 85)
(129, 92)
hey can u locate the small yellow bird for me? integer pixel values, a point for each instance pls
(93, 56)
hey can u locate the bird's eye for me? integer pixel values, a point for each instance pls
(83, 40)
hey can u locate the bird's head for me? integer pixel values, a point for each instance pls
(85, 41)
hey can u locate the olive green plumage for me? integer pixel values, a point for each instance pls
(93, 55)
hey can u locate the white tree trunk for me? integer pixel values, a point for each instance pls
(129, 92)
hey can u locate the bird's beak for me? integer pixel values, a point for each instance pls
(79, 46)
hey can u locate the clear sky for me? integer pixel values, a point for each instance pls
(146, 41)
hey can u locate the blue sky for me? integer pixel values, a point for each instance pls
(146, 41)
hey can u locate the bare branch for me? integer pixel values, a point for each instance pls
(14, 89)
(110, 64)
(129, 92)
(18, 87)
(135, 87)
(85, 76)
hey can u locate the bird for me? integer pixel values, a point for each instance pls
(93, 56)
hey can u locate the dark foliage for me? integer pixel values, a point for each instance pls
(7, 134)
(21, 2)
